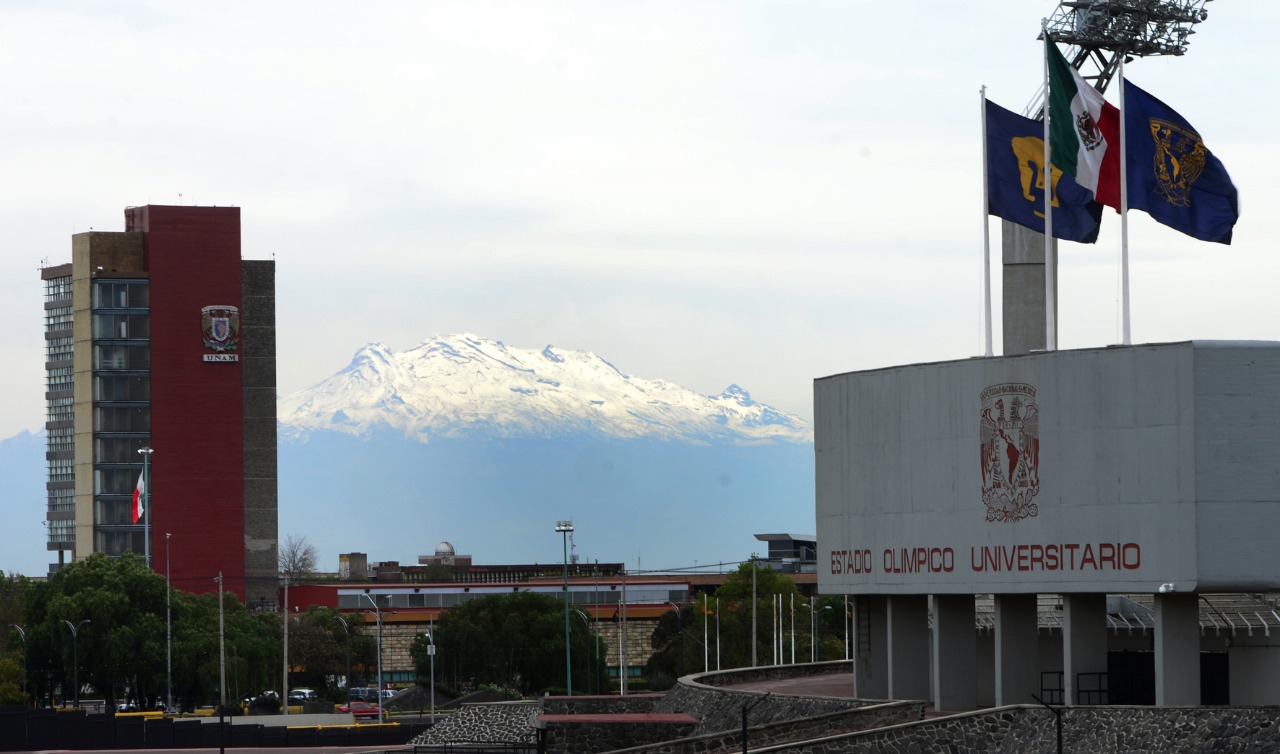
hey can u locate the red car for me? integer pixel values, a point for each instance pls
(360, 709)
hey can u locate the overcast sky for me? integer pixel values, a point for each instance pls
(710, 193)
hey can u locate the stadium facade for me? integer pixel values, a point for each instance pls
(1087, 526)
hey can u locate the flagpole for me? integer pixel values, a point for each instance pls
(146, 503)
(1124, 219)
(986, 232)
(1050, 320)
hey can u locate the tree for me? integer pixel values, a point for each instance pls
(513, 641)
(12, 594)
(122, 647)
(297, 559)
(735, 597)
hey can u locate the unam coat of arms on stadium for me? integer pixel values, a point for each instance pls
(1010, 434)
(221, 327)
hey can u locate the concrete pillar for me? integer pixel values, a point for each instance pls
(955, 650)
(908, 630)
(1084, 646)
(1022, 294)
(1177, 639)
(871, 647)
(1017, 651)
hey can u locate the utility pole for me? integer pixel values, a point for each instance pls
(168, 625)
(753, 610)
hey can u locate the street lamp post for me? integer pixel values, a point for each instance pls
(75, 653)
(377, 614)
(23, 634)
(565, 528)
(146, 502)
(168, 625)
(592, 670)
(346, 630)
(431, 653)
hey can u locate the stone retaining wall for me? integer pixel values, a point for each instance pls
(1031, 730)
(508, 722)
(587, 737)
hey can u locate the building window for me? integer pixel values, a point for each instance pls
(120, 387)
(121, 419)
(108, 449)
(58, 349)
(117, 541)
(57, 318)
(56, 289)
(121, 357)
(121, 326)
(115, 481)
(62, 533)
(118, 294)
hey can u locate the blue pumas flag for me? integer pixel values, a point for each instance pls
(1172, 175)
(1015, 180)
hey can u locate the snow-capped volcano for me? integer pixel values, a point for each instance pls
(464, 385)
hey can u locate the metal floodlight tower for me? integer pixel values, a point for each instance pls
(1099, 32)
(565, 528)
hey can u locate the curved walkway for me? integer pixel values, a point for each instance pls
(836, 685)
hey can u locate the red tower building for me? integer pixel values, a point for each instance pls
(161, 349)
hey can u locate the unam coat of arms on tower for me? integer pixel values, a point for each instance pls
(1010, 435)
(221, 327)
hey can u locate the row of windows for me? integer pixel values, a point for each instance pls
(57, 288)
(62, 499)
(122, 419)
(62, 532)
(58, 349)
(61, 443)
(121, 358)
(121, 326)
(60, 414)
(449, 599)
(118, 449)
(59, 378)
(113, 512)
(57, 318)
(117, 541)
(118, 294)
(61, 470)
(121, 387)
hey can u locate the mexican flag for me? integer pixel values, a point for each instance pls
(1084, 130)
(137, 498)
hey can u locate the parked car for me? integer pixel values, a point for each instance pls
(301, 696)
(360, 709)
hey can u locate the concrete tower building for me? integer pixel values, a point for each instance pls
(162, 337)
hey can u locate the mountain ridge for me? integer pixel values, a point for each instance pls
(465, 385)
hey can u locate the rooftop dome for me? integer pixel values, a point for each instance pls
(444, 549)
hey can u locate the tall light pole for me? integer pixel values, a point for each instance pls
(284, 672)
(23, 634)
(753, 610)
(75, 653)
(431, 652)
(377, 614)
(346, 630)
(565, 527)
(222, 648)
(168, 624)
(146, 502)
(592, 672)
